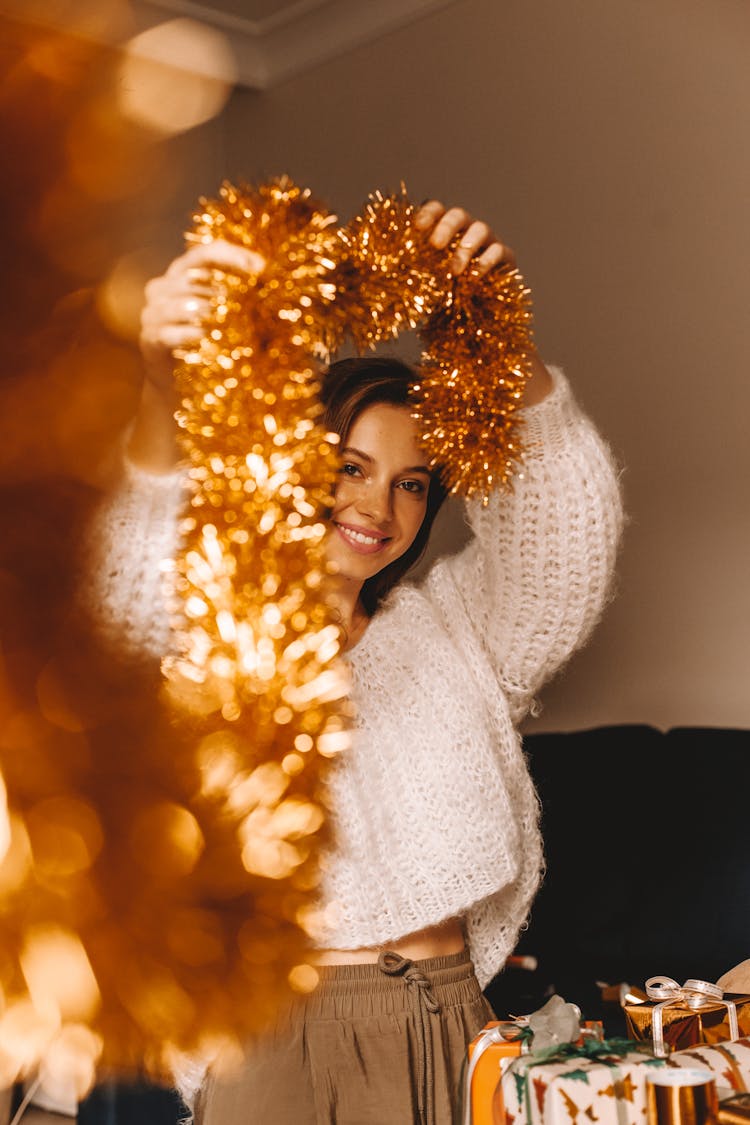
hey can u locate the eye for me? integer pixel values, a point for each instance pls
(349, 469)
(415, 487)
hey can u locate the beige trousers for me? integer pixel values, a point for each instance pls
(375, 1044)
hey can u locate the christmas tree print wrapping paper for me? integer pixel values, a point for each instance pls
(608, 1089)
(728, 1062)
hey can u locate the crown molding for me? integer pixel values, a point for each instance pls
(301, 35)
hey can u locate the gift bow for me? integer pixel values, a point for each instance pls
(695, 994)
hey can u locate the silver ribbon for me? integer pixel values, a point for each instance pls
(694, 994)
(508, 1029)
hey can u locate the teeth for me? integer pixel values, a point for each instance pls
(368, 540)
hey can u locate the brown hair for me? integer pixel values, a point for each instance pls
(349, 387)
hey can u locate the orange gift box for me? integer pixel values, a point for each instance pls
(483, 1094)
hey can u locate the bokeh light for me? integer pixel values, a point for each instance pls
(175, 76)
(58, 974)
(119, 297)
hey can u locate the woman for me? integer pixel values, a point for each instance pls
(437, 851)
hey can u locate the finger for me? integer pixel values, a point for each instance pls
(495, 255)
(162, 290)
(472, 240)
(193, 287)
(452, 223)
(173, 337)
(428, 214)
(185, 313)
(217, 255)
(186, 308)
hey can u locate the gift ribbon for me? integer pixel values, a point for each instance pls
(505, 1031)
(695, 994)
(596, 1049)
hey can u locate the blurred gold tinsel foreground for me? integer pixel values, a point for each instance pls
(160, 849)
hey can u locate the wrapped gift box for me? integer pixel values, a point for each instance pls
(734, 1110)
(728, 1062)
(684, 1026)
(485, 1094)
(608, 1088)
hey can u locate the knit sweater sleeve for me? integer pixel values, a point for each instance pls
(534, 580)
(129, 543)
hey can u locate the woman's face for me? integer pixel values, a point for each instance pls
(381, 494)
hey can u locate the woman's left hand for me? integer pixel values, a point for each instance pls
(478, 246)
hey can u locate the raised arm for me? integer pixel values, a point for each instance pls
(481, 249)
(535, 578)
(134, 532)
(176, 308)
(533, 582)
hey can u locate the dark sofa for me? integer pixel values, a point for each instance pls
(647, 839)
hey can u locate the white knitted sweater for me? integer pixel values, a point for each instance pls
(435, 814)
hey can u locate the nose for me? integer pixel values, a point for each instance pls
(374, 502)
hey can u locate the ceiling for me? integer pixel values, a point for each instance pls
(275, 39)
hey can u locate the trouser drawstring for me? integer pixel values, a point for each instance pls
(393, 965)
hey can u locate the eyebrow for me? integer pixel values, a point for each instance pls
(366, 457)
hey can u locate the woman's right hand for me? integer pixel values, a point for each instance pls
(178, 303)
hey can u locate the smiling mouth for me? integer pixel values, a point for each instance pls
(359, 541)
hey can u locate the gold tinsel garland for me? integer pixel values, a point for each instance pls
(159, 866)
(476, 331)
(258, 673)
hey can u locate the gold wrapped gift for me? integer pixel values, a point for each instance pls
(734, 1110)
(680, 1016)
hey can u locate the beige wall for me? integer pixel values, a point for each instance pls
(610, 144)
